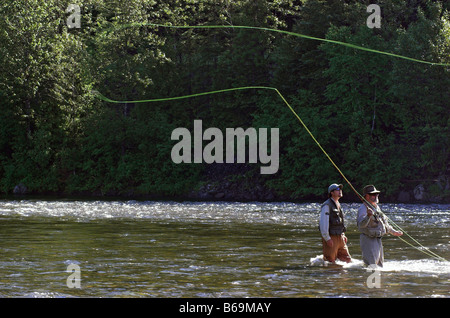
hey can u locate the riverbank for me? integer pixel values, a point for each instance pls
(240, 183)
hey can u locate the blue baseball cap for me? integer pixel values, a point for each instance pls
(334, 186)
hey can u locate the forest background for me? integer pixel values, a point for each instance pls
(384, 120)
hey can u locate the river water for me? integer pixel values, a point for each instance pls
(212, 249)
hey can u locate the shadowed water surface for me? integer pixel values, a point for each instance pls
(189, 249)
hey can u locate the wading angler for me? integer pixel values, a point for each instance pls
(213, 152)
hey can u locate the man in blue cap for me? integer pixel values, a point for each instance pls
(332, 227)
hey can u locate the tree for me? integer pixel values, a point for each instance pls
(42, 90)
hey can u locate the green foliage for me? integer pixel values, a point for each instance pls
(382, 120)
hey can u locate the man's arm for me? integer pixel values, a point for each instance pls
(324, 222)
(389, 228)
(363, 217)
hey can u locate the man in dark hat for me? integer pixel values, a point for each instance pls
(332, 227)
(373, 225)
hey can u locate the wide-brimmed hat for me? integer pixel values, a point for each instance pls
(370, 189)
(334, 186)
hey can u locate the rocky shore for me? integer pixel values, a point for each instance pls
(240, 182)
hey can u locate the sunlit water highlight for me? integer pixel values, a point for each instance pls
(191, 249)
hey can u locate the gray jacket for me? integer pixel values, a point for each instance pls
(375, 225)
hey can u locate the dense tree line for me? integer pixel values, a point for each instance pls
(383, 120)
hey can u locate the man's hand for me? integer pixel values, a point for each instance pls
(397, 233)
(330, 243)
(369, 212)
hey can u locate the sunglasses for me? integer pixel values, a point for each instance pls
(337, 189)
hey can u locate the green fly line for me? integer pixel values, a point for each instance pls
(419, 246)
(353, 46)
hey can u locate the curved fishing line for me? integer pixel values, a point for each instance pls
(106, 99)
(422, 248)
(353, 46)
